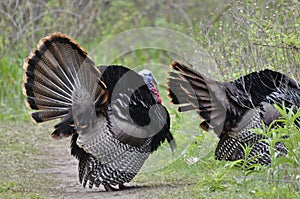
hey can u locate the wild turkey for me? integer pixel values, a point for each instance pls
(113, 114)
(233, 109)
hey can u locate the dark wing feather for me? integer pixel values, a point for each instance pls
(136, 114)
(163, 134)
(221, 104)
(250, 90)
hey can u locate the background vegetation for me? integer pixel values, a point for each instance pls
(240, 36)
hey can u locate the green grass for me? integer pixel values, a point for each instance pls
(212, 179)
(12, 105)
(18, 151)
(24, 154)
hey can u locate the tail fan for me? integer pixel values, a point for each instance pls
(55, 73)
(193, 91)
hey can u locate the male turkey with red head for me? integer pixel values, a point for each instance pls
(113, 114)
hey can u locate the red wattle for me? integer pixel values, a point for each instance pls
(159, 100)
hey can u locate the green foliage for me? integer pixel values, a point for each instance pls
(216, 180)
(245, 166)
(284, 130)
(287, 128)
(23, 23)
(254, 35)
(11, 100)
(283, 174)
(240, 36)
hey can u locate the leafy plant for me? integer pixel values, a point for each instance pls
(216, 181)
(246, 165)
(284, 130)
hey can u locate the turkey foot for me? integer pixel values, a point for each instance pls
(109, 188)
(123, 187)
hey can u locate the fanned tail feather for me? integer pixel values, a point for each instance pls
(53, 73)
(192, 91)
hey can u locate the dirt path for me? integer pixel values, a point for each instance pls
(33, 164)
(63, 172)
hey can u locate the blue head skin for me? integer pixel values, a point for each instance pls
(151, 83)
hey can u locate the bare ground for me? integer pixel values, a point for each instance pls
(42, 166)
(63, 172)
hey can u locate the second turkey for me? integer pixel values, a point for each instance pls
(234, 109)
